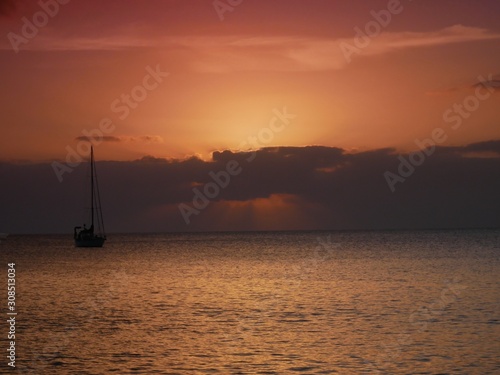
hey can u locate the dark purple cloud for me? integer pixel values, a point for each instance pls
(105, 138)
(333, 189)
(492, 82)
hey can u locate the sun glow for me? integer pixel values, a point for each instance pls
(276, 212)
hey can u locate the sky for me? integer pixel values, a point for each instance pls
(310, 114)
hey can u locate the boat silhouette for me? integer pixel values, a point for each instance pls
(93, 236)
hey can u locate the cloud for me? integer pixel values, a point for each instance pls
(220, 54)
(487, 146)
(312, 187)
(148, 139)
(492, 82)
(313, 54)
(489, 82)
(124, 138)
(106, 138)
(473, 149)
(449, 35)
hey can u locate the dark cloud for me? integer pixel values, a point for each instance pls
(491, 83)
(105, 138)
(486, 147)
(123, 138)
(324, 187)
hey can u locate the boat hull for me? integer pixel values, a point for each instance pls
(90, 242)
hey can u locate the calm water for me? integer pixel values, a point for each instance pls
(258, 303)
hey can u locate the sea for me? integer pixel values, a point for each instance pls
(350, 302)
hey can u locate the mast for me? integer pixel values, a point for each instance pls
(92, 185)
(87, 237)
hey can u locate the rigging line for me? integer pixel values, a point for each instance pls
(100, 220)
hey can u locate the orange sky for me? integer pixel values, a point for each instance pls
(364, 81)
(226, 77)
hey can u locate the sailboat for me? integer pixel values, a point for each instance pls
(93, 236)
